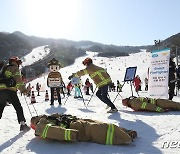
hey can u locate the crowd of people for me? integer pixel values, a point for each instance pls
(87, 87)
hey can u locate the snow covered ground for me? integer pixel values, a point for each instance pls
(36, 54)
(153, 128)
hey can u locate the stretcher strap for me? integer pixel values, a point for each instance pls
(110, 134)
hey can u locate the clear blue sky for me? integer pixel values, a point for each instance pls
(118, 22)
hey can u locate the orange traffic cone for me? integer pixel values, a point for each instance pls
(46, 96)
(33, 100)
(55, 95)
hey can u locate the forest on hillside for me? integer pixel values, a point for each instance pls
(66, 51)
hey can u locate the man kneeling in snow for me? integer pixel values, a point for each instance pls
(150, 104)
(70, 128)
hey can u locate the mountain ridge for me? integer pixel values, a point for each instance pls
(66, 51)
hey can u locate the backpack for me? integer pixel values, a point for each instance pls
(9, 82)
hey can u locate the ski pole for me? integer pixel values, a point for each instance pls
(68, 96)
(91, 96)
(118, 94)
(82, 97)
(108, 96)
(66, 99)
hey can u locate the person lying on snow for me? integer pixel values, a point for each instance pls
(150, 104)
(70, 128)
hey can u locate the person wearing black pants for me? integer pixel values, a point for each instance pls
(101, 78)
(8, 90)
(172, 70)
(58, 95)
(12, 97)
(102, 95)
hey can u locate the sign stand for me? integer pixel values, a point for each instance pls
(129, 76)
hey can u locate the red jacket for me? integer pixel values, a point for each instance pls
(88, 84)
(137, 82)
(69, 86)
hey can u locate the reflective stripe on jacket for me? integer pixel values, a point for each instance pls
(13, 71)
(147, 104)
(97, 74)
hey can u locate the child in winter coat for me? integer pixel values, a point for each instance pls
(77, 93)
(137, 83)
(119, 86)
(87, 85)
(69, 88)
(29, 88)
(38, 86)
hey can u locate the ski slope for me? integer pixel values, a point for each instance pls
(35, 55)
(153, 128)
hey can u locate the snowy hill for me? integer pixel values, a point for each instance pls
(36, 55)
(153, 128)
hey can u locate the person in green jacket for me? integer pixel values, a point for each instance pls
(101, 78)
(8, 90)
(150, 104)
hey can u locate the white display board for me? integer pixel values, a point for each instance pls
(159, 74)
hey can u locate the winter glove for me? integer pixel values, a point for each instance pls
(70, 77)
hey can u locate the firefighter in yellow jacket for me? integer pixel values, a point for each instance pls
(70, 128)
(54, 80)
(11, 81)
(150, 104)
(101, 78)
